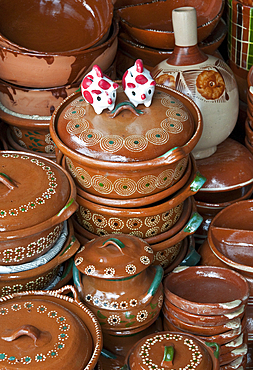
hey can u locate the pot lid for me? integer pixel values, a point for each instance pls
(126, 133)
(170, 350)
(230, 167)
(42, 334)
(32, 190)
(114, 257)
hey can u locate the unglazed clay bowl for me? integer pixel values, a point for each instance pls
(32, 212)
(219, 290)
(203, 320)
(145, 172)
(45, 70)
(40, 277)
(59, 319)
(151, 25)
(31, 101)
(143, 222)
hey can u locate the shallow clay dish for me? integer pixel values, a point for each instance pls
(151, 25)
(219, 290)
(133, 166)
(32, 212)
(45, 70)
(60, 330)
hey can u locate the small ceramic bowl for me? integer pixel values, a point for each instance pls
(46, 70)
(229, 290)
(150, 23)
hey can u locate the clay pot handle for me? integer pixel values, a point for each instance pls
(168, 356)
(192, 258)
(67, 252)
(67, 289)
(154, 285)
(7, 181)
(40, 338)
(216, 348)
(116, 242)
(125, 105)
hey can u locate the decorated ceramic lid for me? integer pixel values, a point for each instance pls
(42, 334)
(171, 350)
(114, 257)
(230, 167)
(126, 133)
(32, 190)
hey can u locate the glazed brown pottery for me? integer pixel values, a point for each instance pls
(219, 291)
(120, 265)
(40, 277)
(151, 167)
(32, 212)
(172, 350)
(206, 79)
(46, 70)
(48, 329)
(150, 23)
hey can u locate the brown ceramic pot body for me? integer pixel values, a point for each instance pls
(44, 70)
(34, 230)
(122, 180)
(39, 303)
(153, 27)
(225, 296)
(40, 277)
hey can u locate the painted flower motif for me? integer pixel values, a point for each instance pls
(145, 260)
(3, 356)
(133, 302)
(160, 301)
(13, 212)
(61, 319)
(142, 315)
(105, 304)
(63, 336)
(17, 131)
(26, 360)
(114, 305)
(148, 249)
(78, 261)
(96, 301)
(59, 345)
(4, 311)
(64, 327)
(41, 309)
(113, 320)
(130, 269)
(40, 357)
(52, 314)
(16, 307)
(89, 270)
(109, 271)
(88, 297)
(2, 213)
(123, 304)
(49, 149)
(53, 353)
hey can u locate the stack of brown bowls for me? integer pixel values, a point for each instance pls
(37, 238)
(149, 35)
(134, 173)
(209, 302)
(45, 54)
(229, 179)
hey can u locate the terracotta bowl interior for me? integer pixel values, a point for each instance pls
(151, 23)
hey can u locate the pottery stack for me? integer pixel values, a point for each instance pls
(37, 238)
(210, 303)
(44, 56)
(146, 30)
(249, 118)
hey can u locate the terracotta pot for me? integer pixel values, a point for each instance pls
(206, 79)
(143, 221)
(229, 290)
(122, 266)
(160, 166)
(153, 26)
(167, 349)
(40, 277)
(32, 212)
(64, 332)
(45, 70)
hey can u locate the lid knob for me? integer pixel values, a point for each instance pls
(7, 181)
(168, 357)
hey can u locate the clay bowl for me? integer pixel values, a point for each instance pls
(39, 208)
(249, 130)
(153, 56)
(234, 345)
(240, 363)
(151, 25)
(222, 185)
(40, 277)
(142, 221)
(108, 177)
(46, 70)
(190, 173)
(229, 289)
(203, 320)
(234, 354)
(68, 308)
(13, 145)
(51, 29)
(31, 101)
